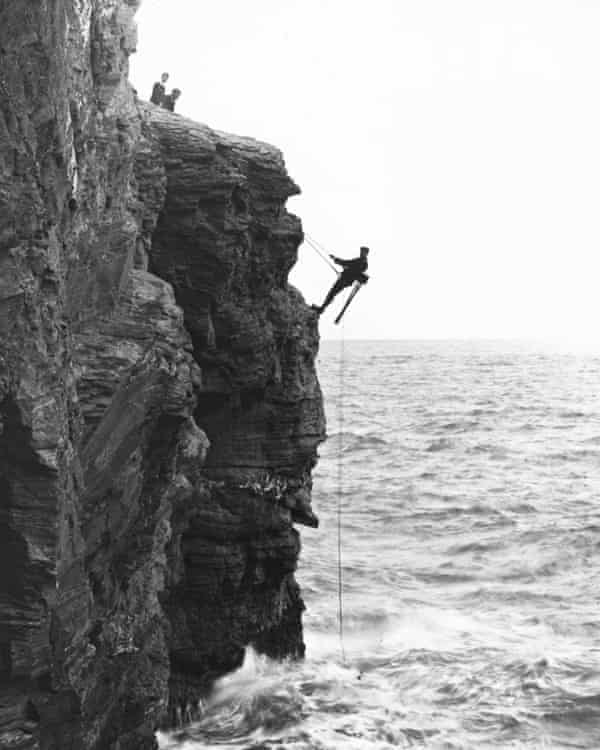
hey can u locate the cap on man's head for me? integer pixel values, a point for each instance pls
(164, 76)
(364, 249)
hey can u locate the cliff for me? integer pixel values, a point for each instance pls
(159, 409)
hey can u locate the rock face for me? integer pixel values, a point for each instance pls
(159, 409)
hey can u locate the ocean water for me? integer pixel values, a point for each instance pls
(469, 478)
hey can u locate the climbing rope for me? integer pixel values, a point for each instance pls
(340, 410)
(320, 250)
(317, 243)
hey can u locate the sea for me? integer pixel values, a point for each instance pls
(459, 550)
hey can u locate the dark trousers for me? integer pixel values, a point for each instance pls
(341, 283)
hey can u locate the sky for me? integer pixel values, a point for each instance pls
(458, 139)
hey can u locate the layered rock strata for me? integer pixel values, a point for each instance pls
(226, 244)
(159, 409)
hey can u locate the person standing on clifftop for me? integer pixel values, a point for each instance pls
(158, 90)
(354, 270)
(169, 100)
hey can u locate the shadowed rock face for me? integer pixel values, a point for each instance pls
(159, 410)
(226, 244)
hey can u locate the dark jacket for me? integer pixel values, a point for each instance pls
(353, 269)
(168, 103)
(158, 93)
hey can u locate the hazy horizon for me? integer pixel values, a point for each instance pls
(459, 143)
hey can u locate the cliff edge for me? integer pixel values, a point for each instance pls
(159, 408)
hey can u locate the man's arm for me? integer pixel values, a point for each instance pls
(341, 261)
(355, 267)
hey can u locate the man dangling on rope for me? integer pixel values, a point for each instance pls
(354, 270)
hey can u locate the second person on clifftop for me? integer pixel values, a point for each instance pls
(169, 100)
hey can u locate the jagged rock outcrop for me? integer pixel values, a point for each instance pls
(159, 409)
(226, 244)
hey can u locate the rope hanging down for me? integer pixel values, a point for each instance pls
(320, 250)
(340, 409)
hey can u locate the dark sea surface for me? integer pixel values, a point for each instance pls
(469, 483)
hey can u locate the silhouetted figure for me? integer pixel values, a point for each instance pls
(354, 270)
(169, 100)
(158, 90)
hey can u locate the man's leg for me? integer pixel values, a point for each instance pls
(335, 290)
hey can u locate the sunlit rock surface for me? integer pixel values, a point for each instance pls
(159, 409)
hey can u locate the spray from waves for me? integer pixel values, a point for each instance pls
(246, 704)
(404, 684)
(311, 704)
(264, 702)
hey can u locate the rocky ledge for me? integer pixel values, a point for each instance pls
(159, 408)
